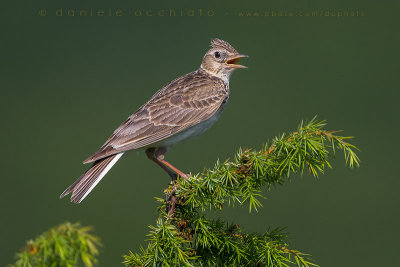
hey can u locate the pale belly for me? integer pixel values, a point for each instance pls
(191, 132)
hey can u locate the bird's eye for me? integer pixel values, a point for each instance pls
(217, 54)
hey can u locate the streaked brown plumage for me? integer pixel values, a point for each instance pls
(182, 109)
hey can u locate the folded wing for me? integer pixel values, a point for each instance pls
(183, 103)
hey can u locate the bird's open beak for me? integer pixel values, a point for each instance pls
(231, 62)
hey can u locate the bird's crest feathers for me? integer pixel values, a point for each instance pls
(218, 43)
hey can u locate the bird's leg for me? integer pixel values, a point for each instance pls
(157, 155)
(154, 154)
(172, 174)
(169, 165)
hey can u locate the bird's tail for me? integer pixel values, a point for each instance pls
(84, 184)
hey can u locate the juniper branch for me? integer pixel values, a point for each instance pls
(63, 245)
(183, 236)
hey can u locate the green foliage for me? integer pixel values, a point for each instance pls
(63, 245)
(183, 236)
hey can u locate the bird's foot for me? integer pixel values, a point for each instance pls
(183, 175)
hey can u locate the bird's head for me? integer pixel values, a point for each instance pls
(221, 60)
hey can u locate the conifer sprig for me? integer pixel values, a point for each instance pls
(183, 236)
(63, 245)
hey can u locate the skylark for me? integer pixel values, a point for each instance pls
(182, 109)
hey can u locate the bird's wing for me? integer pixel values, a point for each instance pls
(179, 105)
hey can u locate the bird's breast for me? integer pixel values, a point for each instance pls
(193, 131)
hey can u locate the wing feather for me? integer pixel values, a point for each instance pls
(183, 103)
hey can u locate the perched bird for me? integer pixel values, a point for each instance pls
(182, 109)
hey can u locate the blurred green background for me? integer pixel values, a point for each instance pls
(68, 82)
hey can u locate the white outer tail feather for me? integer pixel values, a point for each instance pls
(102, 174)
(90, 178)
